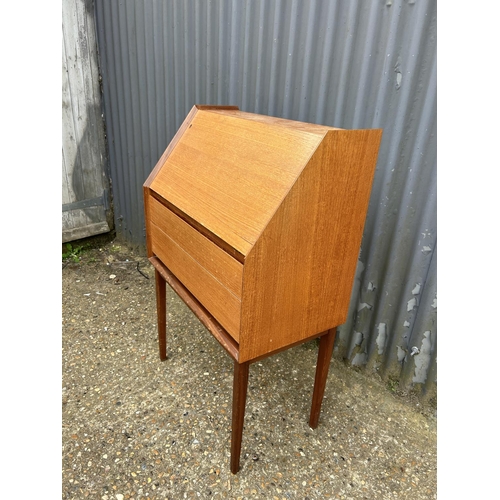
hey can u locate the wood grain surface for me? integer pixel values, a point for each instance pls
(214, 296)
(224, 268)
(159, 164)
(298, 277)
(231, 174)
(287, 199)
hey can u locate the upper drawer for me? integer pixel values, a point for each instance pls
(228, 271)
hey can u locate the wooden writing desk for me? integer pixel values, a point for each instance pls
(256, 223)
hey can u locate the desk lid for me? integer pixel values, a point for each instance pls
(228, 171)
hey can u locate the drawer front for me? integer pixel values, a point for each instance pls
(209, 273)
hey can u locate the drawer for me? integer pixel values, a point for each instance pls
(209, 273)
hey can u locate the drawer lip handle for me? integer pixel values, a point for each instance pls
(223, 245)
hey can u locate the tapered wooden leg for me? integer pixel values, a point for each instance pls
(240, 386)
(161, 313)
(324, 356)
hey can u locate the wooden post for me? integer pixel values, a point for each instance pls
(161, 314)
(240, 386)
(324, 356)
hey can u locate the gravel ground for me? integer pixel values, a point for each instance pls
(138, 428)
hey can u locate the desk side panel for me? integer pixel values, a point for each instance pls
(297, 279)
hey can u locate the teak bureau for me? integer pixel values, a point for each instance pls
(256, 223)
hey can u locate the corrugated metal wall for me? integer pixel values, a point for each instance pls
(349, 64)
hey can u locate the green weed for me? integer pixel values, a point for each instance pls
(393, 384)
(72, 253)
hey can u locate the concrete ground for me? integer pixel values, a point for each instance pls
(138, 428)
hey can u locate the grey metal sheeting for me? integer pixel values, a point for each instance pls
(349, 64)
